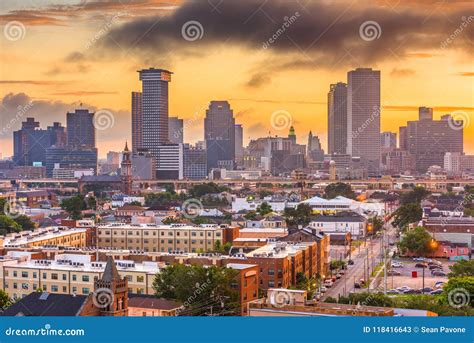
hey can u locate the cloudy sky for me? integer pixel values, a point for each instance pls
(264, 56)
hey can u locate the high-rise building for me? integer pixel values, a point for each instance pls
(403, 138)
(175, 130)
(194, 163)
(314, 150)
(154, 109)
(136, 121)
(142, 166)
(429, 140)
(169, 162)
(239, 141)
(58, 134)
(363, 117)
(70, 158)
(219, 133)
(30, 144)
(388, 141)
(80, 129)
(337, 118)
(425, 113)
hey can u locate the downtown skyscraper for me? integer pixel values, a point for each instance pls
(153, 117)
(136, 121)
(219, 133)
(363, 117)
(337, 118)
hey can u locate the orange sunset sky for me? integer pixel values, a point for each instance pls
(57, 54)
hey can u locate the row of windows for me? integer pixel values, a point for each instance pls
(146, 241)
(56, 276)
(170, 233)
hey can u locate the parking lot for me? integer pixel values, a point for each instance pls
(406, 278)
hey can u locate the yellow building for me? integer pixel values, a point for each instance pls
(68, 274)
(48, 236)
(161, 238)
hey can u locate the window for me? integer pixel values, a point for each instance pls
(54, 276)
(15, 285)
(74, 289)
(85, 278)
(85, 290)
(24, 286)
(140, 278)
(44, 275)
(15, 274)
(24, 274)
(54, 288)
(64, 289)
(35, 286)
(130, 278)
(74, 277)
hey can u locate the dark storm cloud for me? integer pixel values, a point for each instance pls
(323, 32)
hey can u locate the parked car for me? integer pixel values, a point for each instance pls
(393, 291)
(323, 289)
(436, 292)
(393, 273)
(397, 265)
(357, 285)
(426, 290)
(435, 266)
(338, 276)
(420, 265)
(418, 259)
(328, 283)
(350, 262)
(403, 288)
(438, 273)
(439, 284)
(412, 291)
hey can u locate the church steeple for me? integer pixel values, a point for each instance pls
(111, 291)
(126, 171)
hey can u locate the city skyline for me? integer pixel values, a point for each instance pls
(89, 70)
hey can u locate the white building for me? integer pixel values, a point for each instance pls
(355, 224)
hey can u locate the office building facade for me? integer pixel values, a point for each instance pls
(80, 129)
(175, 130)
(363, 117)
(136, 121)
(337, 118)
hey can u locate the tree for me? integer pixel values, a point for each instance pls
(407, 214)
(250, 215)
(5, 300)
(458, 292)
(74, 206)
(339, 189)
(417, 241)
(199, 288)
(8, 225)
(462, 268)
(264, 208)
(414, 196)
(170, 220)
(301, 215)
(199, 190)
(25, 222)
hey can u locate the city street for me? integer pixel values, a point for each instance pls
(357, 271)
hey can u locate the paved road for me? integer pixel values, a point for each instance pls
(356, 272)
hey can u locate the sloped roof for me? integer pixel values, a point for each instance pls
(46, 304)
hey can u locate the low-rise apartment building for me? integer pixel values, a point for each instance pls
(20, 274)
(58, 235)
(162, 238)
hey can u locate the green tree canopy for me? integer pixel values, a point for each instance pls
(416, 241)
(407, 214)
(5, 300)
(414, 196)
(264, 208)
(74, 206)
(199, 288)
(462, 268)
(301, 215)
(339, 188)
